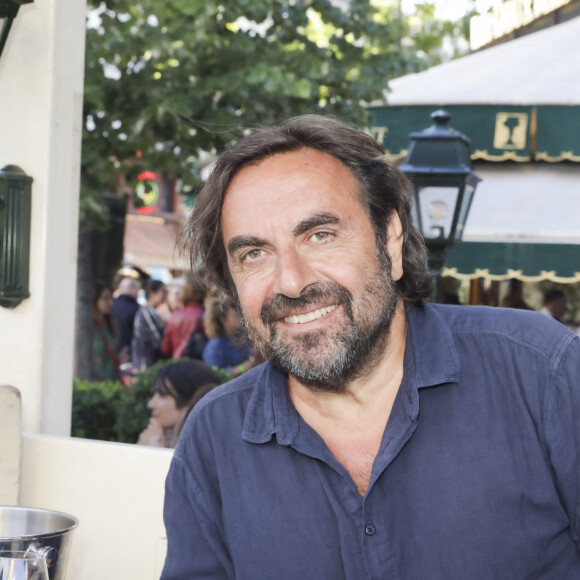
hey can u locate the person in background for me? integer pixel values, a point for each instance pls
(555, 304)
(174, 299)
(184, 321)
(104, 363)
(178, 387)
(228, 347)
(514, 301)
(124, 311)
(148, 327)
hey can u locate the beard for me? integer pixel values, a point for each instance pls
(327, 360)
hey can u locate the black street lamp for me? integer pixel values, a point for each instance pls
(438, 165)
(8, 12)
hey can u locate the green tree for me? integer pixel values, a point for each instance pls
(433, 40)
(167, 80)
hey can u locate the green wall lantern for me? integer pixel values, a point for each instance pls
(15, 204)
(15, 211)
(439, 166)
(8, 12)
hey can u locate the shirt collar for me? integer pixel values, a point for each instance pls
(430, 359)
(270, 410)
(430, 355)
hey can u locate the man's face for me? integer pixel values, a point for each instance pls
(316, 296)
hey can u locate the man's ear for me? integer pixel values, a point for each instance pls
(394, 244)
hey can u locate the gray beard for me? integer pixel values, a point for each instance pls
(327, 361)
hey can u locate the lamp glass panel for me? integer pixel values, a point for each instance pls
(464, 210)
(436, 209)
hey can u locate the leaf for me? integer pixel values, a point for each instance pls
(302, 89)
(188, 7)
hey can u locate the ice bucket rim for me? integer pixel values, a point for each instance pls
(74, 522)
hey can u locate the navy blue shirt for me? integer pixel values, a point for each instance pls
(477, 476)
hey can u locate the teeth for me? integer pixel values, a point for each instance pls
(302, 318)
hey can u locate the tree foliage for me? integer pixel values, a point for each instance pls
(168, 80)
(433, 40)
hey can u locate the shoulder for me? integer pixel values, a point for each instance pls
(527, 328)
(233, 396)
(229, 394)
(219, 416)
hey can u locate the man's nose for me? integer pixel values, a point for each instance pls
(293, 274)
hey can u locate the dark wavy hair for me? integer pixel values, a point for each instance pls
(383, 188)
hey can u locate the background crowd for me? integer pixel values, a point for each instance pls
(136, 325)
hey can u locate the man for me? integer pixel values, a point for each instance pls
(124, 311)
(385, 437)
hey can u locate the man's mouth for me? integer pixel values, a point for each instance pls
(310, 316)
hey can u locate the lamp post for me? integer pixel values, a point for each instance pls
(8, 12)
(438, 165)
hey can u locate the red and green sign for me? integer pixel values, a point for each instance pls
(146, 192)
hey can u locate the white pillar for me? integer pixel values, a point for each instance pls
(41, 93)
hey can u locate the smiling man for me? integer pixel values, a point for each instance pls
(384, 437)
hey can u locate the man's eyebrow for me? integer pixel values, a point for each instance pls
(318, 219)
(239, 242)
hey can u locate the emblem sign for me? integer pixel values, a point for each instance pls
(511, 130)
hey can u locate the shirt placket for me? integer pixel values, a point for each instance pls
(377, 534)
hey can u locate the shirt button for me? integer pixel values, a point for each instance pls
(370, 529)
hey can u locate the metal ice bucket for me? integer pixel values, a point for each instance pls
(46, 532)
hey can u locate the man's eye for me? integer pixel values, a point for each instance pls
(321, 236)
(252, 255)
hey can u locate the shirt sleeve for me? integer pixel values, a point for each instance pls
(196, 545)
(563, 433)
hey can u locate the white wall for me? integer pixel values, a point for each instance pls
(41, 86)
(115, 490)
(9, 445)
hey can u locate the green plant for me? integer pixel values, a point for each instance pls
(94, 409)
(108, 412)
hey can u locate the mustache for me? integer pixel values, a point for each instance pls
(281, 306)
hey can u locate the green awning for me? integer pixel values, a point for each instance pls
(497, 132)
(528, 262)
